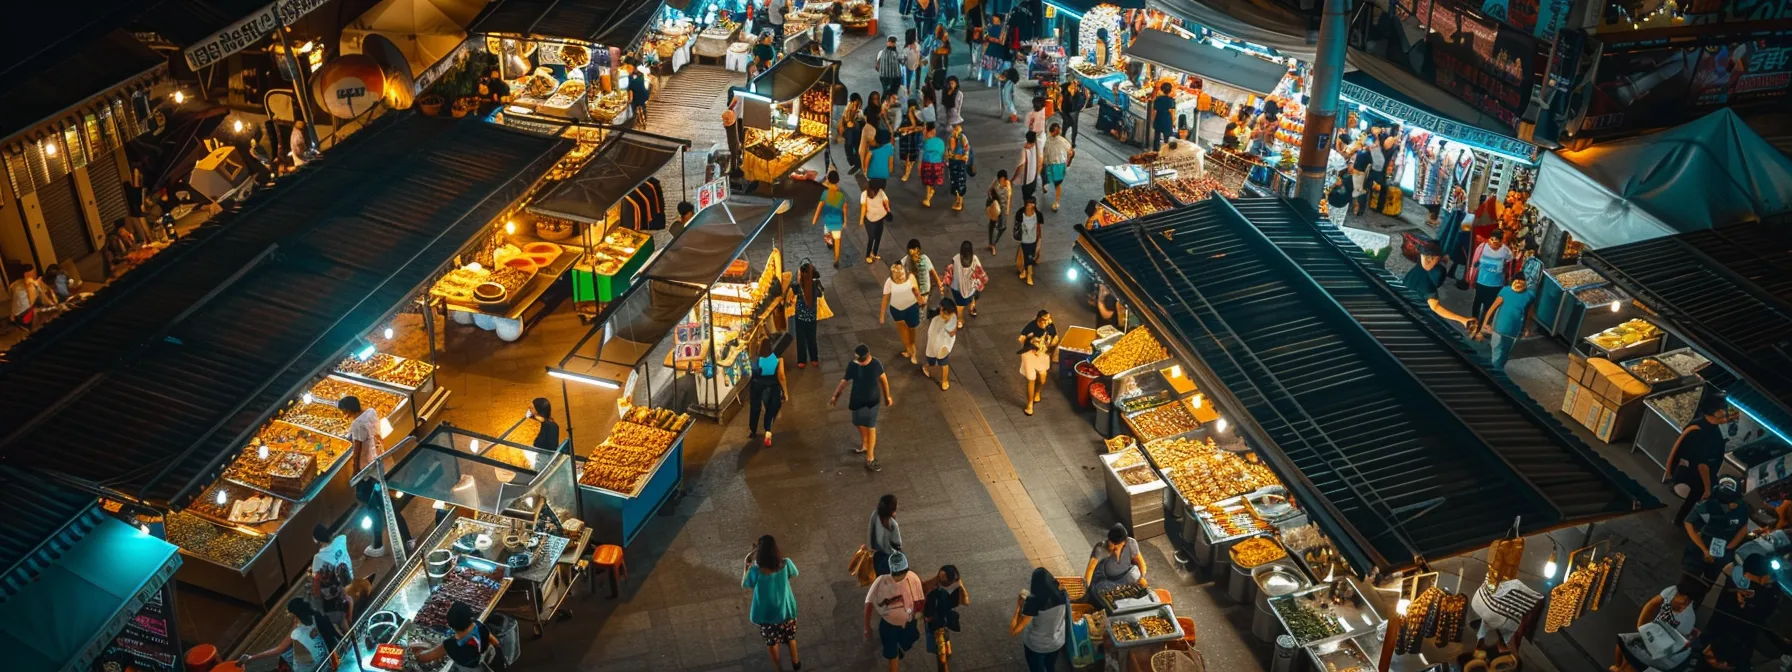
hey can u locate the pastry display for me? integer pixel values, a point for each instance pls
(1163, 421)
(1204, 474)
(292, 473)
(1135, 349)
(539, 86)
(324, 418)
(574, 56)
(657, 418)
(1578, 277)
(1125, 591)
(1128, 457)
(1139, 201)
(331, 390)
(1127, 630)
(1630, 332)
(1136, 476)
(1141, 402)
(1650, 370)
(1256, 551)
(253, 465)
(407, 373)
(1306, 618)
(221, 545)
(1191, 190)
(627, 457)
(1119, 443)
(458, 284)
(1233, 522)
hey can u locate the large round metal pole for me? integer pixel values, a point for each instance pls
(1322, 102)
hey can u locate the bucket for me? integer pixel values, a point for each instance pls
(1086, 374)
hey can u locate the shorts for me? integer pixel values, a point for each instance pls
(865, 417)
(962, 300)
(940, 361)
(1034, 364)
(1054, 173)
(910, 316)
(897, 638)
(778, 633)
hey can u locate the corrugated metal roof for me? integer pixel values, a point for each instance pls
(611, 23)
(1727, 290)
(43, 519)
(161, 379)
(1398, 456)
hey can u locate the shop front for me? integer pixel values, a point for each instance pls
(570, 60)
(786, 113)
(1300, 462)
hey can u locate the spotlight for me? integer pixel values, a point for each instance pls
(366, 522)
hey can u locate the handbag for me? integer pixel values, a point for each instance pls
(993, 208)
(822, 311)
(862, 566)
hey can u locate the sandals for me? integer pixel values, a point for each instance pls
(1028, 411)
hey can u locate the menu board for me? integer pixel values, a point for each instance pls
(147, 642)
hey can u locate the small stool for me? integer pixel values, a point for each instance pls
(1188, 630)
(202, 658)
(1164, 596)
(228, 667)
(608, 558)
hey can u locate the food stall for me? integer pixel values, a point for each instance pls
(787, 114)
(1245, 388)
(580, 71)
(624, 480)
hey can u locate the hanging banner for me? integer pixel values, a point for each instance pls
(247, 31)
(1663, 82)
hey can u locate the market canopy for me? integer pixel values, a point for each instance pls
(44, 519)
(1708, 172)
(611, 23)
(164, 375)
(1260, 22)
(1394, 467)
(792, 75)
(615, 170)
(475, 471)
(1388, 90)
(77, 606)
(1227, 66)
(425, 31)
(1728, 291)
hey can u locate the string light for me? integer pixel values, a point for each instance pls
(223, 496)
(180, 97)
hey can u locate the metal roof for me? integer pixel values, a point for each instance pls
(1728, 291)
(611, 23)
(43, 519)
(164, 376)
(1401, 446)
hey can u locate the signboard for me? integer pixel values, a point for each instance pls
(712, 193)
(1665, 81)
(1491, 75)
(1455, 131)
(247, 31)
(350, 85)
(388, 657)
(1540, 18)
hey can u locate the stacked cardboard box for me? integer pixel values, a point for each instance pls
(1603, 397)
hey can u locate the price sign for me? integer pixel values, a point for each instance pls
(388, 657)
(711, 193)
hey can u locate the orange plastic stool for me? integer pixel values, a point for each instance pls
(228, 667)
(202, 658)
(1188, 630)
(608, 558)
(1163, 596)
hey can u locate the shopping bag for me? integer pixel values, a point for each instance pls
(822, 311)
(863, 566)
(1390, 202)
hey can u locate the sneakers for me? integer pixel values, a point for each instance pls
(374, 552)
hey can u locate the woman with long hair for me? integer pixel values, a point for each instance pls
(942, 333)
(874, 120)
(1041, 621)
(951, 103)
(874, 213)
(806, 292)
(966, 279)
(852, 125)
(765, 390)
(958, 165)
(768, 574)
(830, 212)
(885, 535)
(998, 202)
(902, 304)
(910, 133)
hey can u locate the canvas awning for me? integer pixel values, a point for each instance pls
(611, 23)
(78, 605)
(1709, 172)
(1227, 66)
(791, 76)
(619, 167)
(1256, 21)
(425, 31)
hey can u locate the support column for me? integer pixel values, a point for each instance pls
(1322, 101)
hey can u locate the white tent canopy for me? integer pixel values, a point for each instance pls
(1711, 171)
(426, 31)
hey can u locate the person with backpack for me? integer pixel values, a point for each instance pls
(958, 163)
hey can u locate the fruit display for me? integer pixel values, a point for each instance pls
(1578, 277)
(1191, 190)
(1630, 332)
(1139, 201)
(460, 585)
(1128, 457)
(331, 390)
(1256, 551)
(1306, 618)
(1162, 421)
(1650, 370)
(407, 373)
(221, 545)
(657, 418)
(1137, 476)
(1678, 407)
(1137, 348)
(1204, 474)
(1598, 296)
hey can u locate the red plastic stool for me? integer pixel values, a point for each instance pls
(608, 558)
(1164, 596)
(202, 658)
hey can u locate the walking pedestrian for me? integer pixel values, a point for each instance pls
(927, 15)
(765, 392)
(874, 213)
(774, 16)
(874, 122)
(1508, 319)
(933, 162)
(974, 27)
(1041, 620)
(889, 67)
(911, 59)
(1360, 163)
(806, 295)
(1114, 561)
(911, 132)
(942, 333)
(1037, 340)
(768, 574)
(902, 304)
(929, 112)
(965, 277)
(547, 436)
(866, 374)
(830, 212)
(1036, 117)
(1423, 279)
(638, 94)
(1163, 115)
(1454, 236)
(952, 103)
(852, 127)
(1382, 147)
(1056, 154)
(884, 536)
(1008, 79)
(1026, 171)
(995, 48)
(996, 203)
(939, 57)
(1028, 228)
(1070, 106)
(882, 158)
(920, 267)
(1337, 199)
(1697, 454)
(945, 594)
(1715, 527)
(897, 599)
(1489, 271)
(958, 165)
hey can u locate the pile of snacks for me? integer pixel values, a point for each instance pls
(1191, 190)
(1650, 370)
(1234, 523)
(1136, 476)
(1305, 621)
(1163, 421)
(1119, 443)
(221, 545)
(657, 418)
(460, 585)
(1137, 348)
(458, 284)
(1139, 201)
(1128, 457)
(1684, 362)
(1204, 474)
(1139, 402)
(1598, 296)
(1256, 551)
(331, 390)
(1678, 407)
(386, 368)
(324, 418)
(625, 459)
(1630, 332)
(1124, 591)
(1578, 277)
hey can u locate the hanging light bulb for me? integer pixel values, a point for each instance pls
(236, 125)
(439, 505)
(388, 333)
(1071, 274)
(223, 496)
(143, 527)
(1614, 306)
(1401, 606)
(49, 148)
(180, 97)
(1175, 370)
(366, 522)
(510, 227)
(308, 397)
(1549, 568)
(1197, 401)
(1221, 424)
(262, 452)
(473, 445)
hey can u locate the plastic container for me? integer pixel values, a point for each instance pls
(1086, 375)
(1104, 419)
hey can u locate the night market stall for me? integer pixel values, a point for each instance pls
(786, 113)
(567, 60)
(1279, 487)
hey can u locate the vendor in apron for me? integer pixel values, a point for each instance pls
(473, 647)
(304, 649)
(1114, 562)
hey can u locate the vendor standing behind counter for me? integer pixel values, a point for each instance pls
(473, 647)
(1115, 562)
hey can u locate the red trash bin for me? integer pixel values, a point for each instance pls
(1086, 374)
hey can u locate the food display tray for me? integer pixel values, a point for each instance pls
(1345, 654)
(1133, 617)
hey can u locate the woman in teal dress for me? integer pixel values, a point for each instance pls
(830, 211)
(768, 575)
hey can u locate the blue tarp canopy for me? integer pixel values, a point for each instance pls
(75, 608)
(1708, 172)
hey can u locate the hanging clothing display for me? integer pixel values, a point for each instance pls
(1433, 175)
(644, 209)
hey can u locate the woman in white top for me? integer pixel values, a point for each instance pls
(307, 646)
(874, 212)
(902, 303)
(1674, 609)
(942, 332)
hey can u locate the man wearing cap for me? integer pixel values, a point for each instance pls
(1424, 279)
(896, 597)
(1716, 526)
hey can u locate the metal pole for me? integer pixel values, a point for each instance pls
(299, 87)
(1322, 102)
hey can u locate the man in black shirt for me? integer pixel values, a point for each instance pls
(1040, 327)
(1424, 278)
(1163, 116)
(548, 438)
(1071, 105)
(1697, 454)
(866, 374)
(1359, 176)
(1715, 527)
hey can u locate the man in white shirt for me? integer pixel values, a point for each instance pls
(774, 17)
(1026, 173)
(895, 597)
(364, 444)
